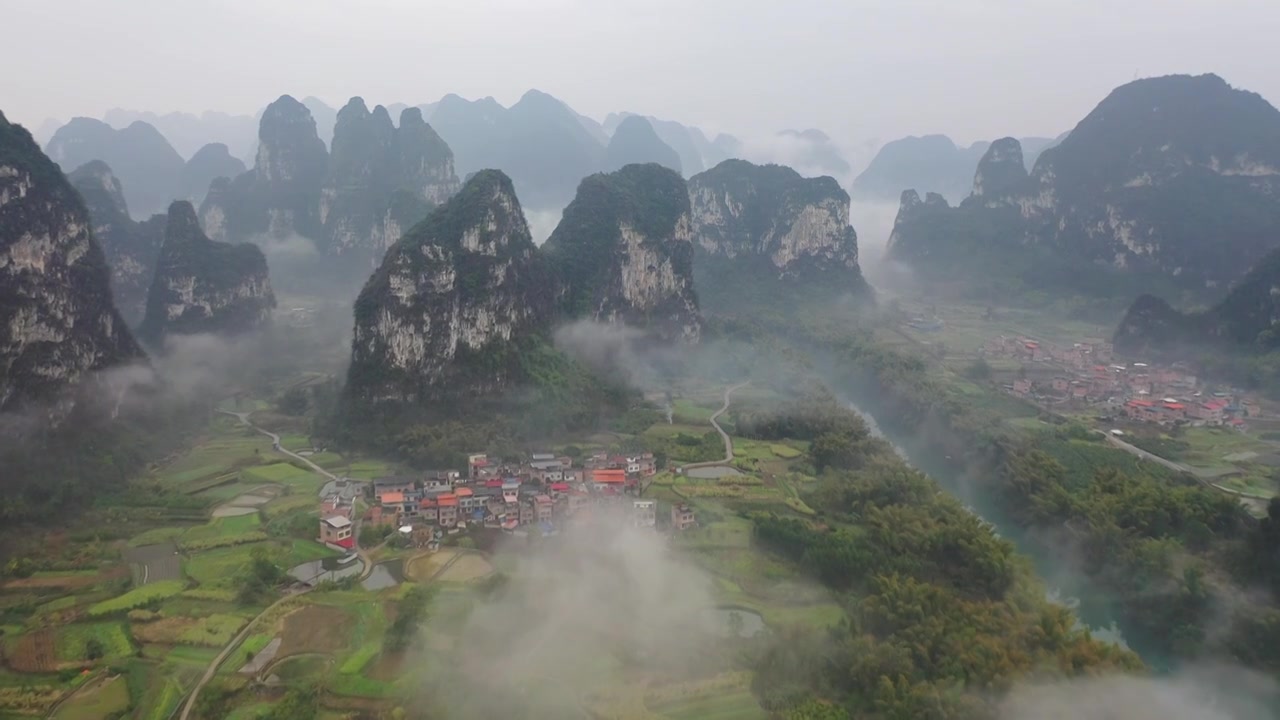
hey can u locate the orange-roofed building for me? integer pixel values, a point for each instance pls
(447, 505)
(609, 477)
(392, 498)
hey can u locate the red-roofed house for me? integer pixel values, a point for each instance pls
(428, 510)
(1144, 410)
(447, 505)
(1213, 412)
(609, 477)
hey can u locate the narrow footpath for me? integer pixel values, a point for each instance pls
(728, 442)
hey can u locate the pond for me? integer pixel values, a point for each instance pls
(710, 473)
(385, 575)
(731, 621)
(318, 571)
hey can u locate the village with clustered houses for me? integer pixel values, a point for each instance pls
(1091, 378)
(539, 495)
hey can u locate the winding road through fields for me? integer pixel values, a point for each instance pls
(728, 442)
(239, 638)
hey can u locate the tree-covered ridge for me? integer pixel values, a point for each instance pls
(943, 617)
(623, 252)
(1244, 321)
(451, 301)
(1168, 548)
(57, 319)
(131, 248)
(1168, 183)
(205, 286)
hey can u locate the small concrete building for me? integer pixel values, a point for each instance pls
(336, 530)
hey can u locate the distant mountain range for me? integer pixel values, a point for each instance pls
(1171, 184)
(932, 163)
(544, 145)
(152, 171)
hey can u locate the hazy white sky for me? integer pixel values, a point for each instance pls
(858, 69)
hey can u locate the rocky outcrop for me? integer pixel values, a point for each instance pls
(1001, 177)
(204, 286)
(372, 161)
(57, 321)
(444, 312)
(765, 223)
(208, 163)
(147, 165)
(280, 196)
(1169, 180)
(634, 141)
(131, 248)
(352, 203)
(623, 253)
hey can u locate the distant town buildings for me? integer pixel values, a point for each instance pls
(1089, 377)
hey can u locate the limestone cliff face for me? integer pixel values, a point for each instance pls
(372, 161)
(57, 321)
(131, 248)
(772, 220)
(623, 253)
(1001, 176)
(280, 196)
(1169, 180)
(204, 286)
(451, 300)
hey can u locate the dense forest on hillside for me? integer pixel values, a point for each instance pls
(1175, 553)
(942, 615)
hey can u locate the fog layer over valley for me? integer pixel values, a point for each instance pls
(629, 361)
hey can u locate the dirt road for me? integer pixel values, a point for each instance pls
(728, 442)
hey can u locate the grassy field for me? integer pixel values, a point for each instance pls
(71, 642)
(282, 473)
(737, 704)
(98, 701)
(137, 597)
(227, 445)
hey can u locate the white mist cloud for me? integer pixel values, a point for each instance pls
(580, 605)
(1215, 692)
(289, 249)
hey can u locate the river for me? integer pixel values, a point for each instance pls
(1066, 584)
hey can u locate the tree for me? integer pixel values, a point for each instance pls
(978, 370)
(295, 401)
(93, 649)
(19, 567)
